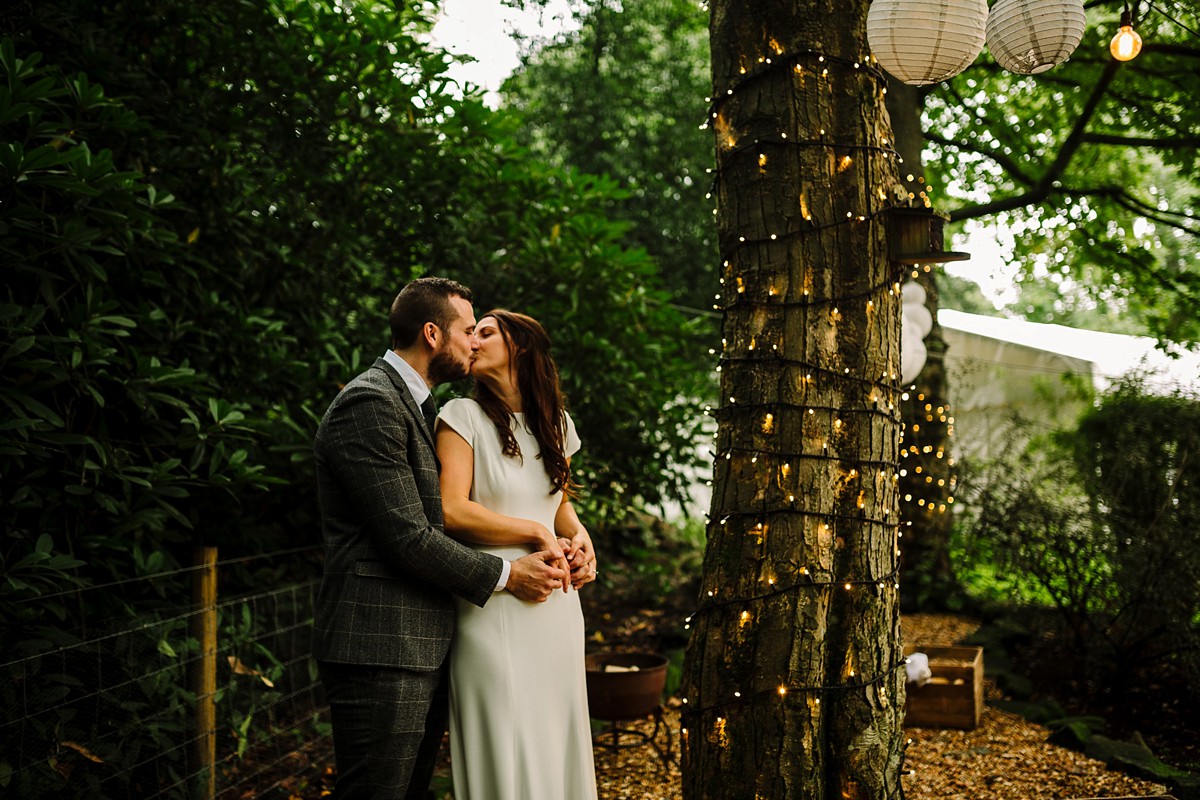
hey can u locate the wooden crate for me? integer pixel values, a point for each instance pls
(954, 697)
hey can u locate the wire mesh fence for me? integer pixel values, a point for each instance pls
(117, 710)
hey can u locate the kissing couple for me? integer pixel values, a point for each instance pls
(452, 559)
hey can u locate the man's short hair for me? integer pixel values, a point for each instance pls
(424, 300)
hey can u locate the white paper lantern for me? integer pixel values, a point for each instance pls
(1031, 36)
(926, 41)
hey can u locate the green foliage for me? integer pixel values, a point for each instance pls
(85, 715)
(1033, 540)
(204, 213)
(624, 96)
(111, 435)
(1100, 524)
(1138, 457)
(1106, 156)
(113, 716)
(190, 288)
(658, 559)
(622, 349)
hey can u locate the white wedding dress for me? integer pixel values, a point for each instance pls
(519, 726)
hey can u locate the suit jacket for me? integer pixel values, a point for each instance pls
(385, 596)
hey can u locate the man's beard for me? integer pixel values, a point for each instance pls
(444, 367)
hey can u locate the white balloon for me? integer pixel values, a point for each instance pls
(912, 292)
(918, 317)
(912, 358)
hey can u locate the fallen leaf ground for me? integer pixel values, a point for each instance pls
(1005, 758)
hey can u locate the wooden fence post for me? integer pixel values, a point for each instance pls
(204, 672)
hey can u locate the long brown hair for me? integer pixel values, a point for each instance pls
(537, 381)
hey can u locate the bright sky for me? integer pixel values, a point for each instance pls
(987, 266)
(482, 29)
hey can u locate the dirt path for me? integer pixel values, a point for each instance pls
(1005, 758)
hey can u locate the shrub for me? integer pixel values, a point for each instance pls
(1102, 524)
(1138, 458)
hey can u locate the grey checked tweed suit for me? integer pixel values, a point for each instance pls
(385, 607)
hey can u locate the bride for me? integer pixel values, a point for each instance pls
(519, 726)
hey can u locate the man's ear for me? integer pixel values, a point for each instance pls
(431, 332)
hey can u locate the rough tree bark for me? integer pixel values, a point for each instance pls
(793, 680)
(928, 480)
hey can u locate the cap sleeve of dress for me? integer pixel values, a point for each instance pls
(459, 414)
(571, 443)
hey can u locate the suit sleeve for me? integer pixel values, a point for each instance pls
(369, 453)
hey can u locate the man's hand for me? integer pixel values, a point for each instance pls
(535, 576)
(540, 537)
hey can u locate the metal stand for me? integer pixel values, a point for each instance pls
(641, 738)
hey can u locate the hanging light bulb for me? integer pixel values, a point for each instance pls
(1126, 44)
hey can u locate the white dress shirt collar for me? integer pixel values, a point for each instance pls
(412, 379)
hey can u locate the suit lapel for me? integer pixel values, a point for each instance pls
(410, 404)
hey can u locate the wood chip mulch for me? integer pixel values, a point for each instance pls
(1005, 758)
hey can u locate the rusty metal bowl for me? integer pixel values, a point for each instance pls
(616, 690)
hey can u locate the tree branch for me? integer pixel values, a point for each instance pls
(1153, 110)
(1113, 193)
(1137, 141)
(1041, 190)
(1004, 161)
(1145, 207)
(1171, 49)
(1132, 205)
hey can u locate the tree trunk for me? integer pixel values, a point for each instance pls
(927, 479)
(793, 682)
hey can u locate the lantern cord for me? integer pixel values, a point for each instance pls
(813, 228)
(775, 358)
(1169, 17)
(695, 312)
(867, 462)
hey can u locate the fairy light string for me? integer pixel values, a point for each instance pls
(786, 694)
(779, 61)
(750, 294)
(792, 414)
(928, 487)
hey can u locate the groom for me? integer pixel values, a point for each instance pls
(384, 616)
